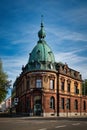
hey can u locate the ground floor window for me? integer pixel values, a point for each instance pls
(37, 105)
(84, 105)
(76, 105)
(68, 103)
(62, 103)
(52, 102)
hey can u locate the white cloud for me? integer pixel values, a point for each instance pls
(65, 34)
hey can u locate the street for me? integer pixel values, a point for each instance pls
(24, 123)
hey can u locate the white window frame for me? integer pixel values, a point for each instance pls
(51, 84)
(38, 83)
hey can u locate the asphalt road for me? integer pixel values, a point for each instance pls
(42, 124)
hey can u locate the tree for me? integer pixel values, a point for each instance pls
(4, 83)
(84, 87)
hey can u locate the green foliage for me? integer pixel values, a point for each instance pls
(84, 87)
(4, 83)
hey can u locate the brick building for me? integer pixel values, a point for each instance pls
(5, 105)
(48, 88)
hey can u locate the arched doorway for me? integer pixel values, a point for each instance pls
(37, 105)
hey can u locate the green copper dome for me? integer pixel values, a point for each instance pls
(41, 57)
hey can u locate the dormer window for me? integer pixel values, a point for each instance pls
(38, 65)
(50, 52)
(75, 74)
(65, 70)
(50, 66)
(38, 52)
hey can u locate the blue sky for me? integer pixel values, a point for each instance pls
(65, 23)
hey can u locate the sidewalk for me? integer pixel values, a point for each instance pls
(26, 117)
(55, 118)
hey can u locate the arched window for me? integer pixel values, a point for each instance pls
(76, 105)
(84, 105)
(52, 102)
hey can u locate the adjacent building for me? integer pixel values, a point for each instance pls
(5, 105)
(46, 87)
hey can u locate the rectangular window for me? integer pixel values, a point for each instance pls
(62, 86)
(76, 90)
(28, 84)
(76, 105)
(84, 105)
(27, 103)
(68, 104)
(51, 84)
(68, 87)
(62, 103)
(38, 83)
(52, 103)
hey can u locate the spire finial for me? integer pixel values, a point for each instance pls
(41, 18)
(41, 33)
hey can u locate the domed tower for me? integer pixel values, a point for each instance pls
(41, 57)
(41, 73)
(37, 81)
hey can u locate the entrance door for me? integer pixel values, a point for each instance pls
(37, 106)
